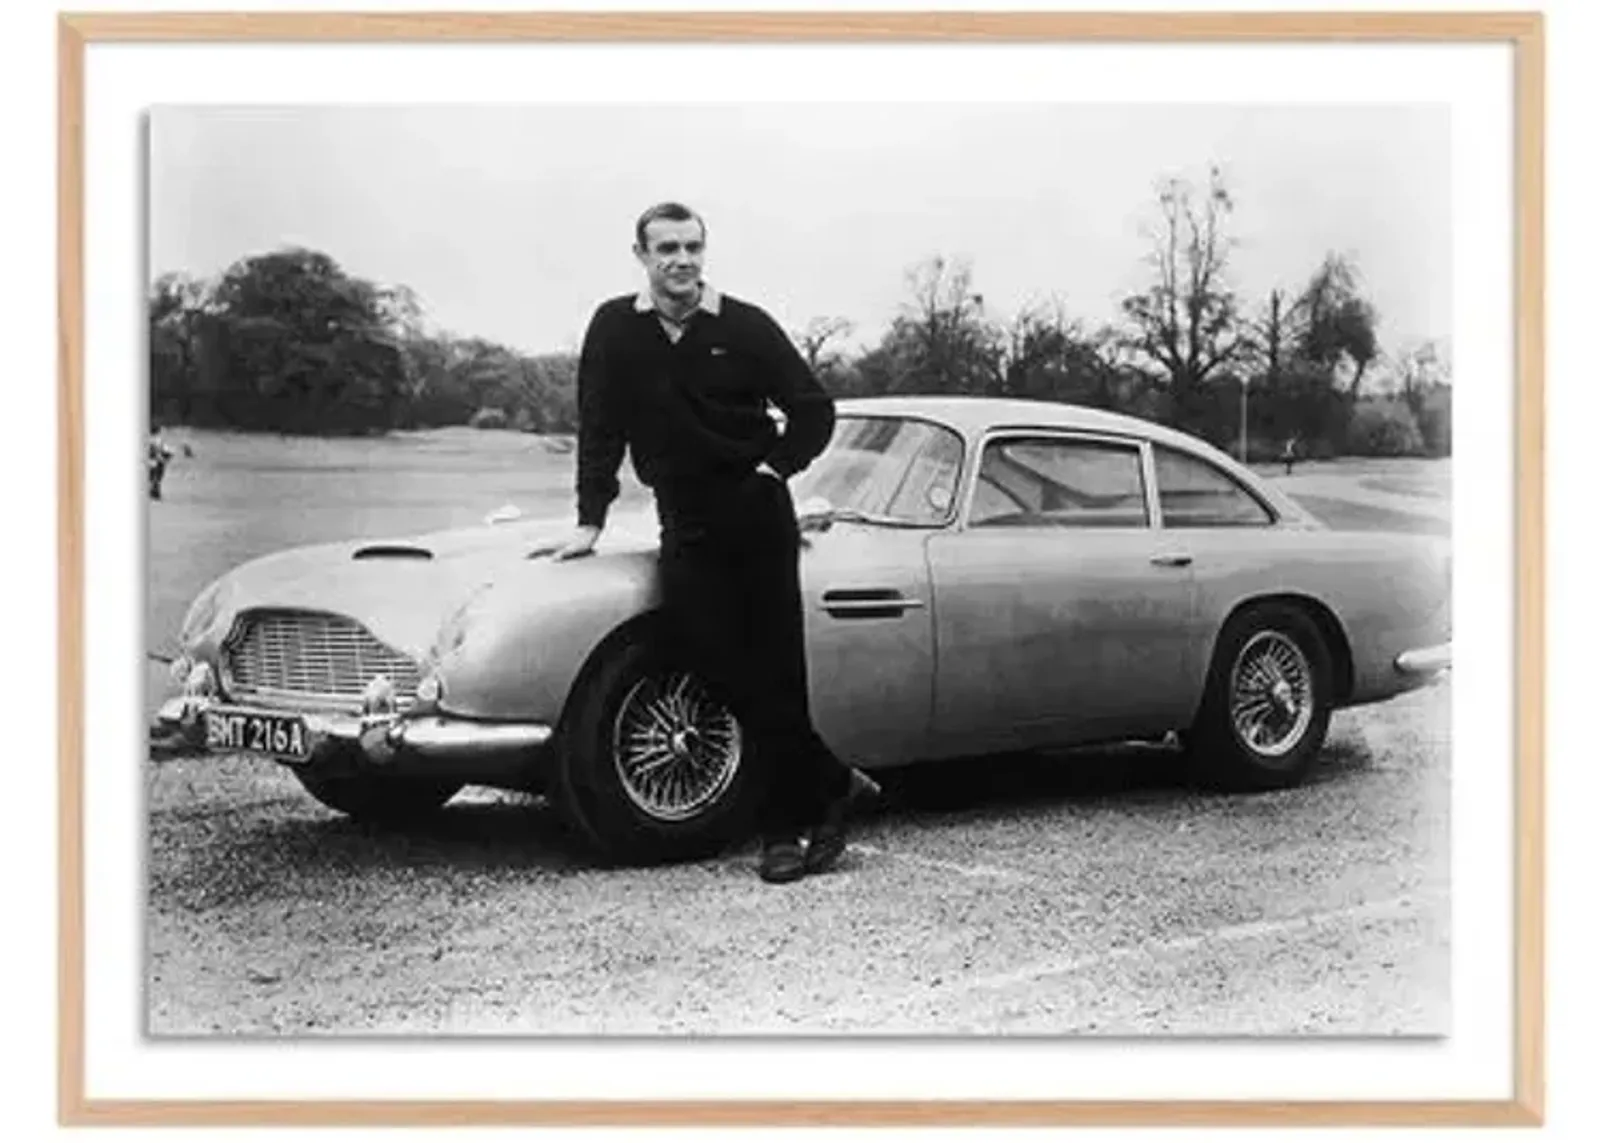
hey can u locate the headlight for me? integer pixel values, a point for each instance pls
(202, 613)
(430, 690)
(201, 683)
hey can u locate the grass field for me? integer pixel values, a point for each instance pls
(241, 496)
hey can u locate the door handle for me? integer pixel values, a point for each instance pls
(868, 603)
(1172, 559)
(872, 609)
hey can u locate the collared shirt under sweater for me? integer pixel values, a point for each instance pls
(691, 412)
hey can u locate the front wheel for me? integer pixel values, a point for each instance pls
(386, 800)
(654, 766)
(1268, 699)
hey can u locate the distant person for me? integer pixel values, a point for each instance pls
(158, 458)
(1290, 450)
(680, 376)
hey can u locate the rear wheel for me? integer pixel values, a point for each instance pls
(384, 799)
(1268, 699)
(654, 766)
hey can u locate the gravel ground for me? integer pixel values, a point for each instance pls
(1087, 892)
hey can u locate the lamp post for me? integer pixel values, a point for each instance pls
(1244, 420)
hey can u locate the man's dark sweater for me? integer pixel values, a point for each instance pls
(691, 412)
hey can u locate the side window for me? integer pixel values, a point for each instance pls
(1059, 483)
(1197, 494)
(927, 488)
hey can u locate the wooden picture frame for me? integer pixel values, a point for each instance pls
(1523, 32)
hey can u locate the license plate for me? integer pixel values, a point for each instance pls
(280, 735)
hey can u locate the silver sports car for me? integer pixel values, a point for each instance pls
(979, 576)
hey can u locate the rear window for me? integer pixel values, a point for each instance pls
(1195, 493)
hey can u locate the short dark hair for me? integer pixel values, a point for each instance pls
(672, 212)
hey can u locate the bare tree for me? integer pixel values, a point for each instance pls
(1275, 337)
(813, 340)
(1028, 340)
(1050, 355)
(953, 347)
(1187, 322)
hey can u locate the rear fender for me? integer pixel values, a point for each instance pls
(1372, 595)
(1328, 625)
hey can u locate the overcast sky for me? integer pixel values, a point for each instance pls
(512, 222)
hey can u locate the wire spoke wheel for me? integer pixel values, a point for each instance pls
(676, 748)
(1271, 694)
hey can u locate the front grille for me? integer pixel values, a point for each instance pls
(312, 658)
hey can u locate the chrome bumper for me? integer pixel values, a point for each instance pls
(381, 739)
(1423, 660)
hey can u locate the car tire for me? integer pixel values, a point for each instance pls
(380, 799)
(652, 766)
(1268, 699)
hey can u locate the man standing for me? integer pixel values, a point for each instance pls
(157, 458)
(682, 377)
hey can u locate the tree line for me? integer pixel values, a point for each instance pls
(290, 342)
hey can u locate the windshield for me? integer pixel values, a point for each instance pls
(888, 467)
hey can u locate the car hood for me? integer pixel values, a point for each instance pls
(403, 588)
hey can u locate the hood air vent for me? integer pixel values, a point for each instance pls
(392, 552)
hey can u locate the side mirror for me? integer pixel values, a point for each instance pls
(814, 514)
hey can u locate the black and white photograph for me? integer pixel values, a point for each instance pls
(937, 569)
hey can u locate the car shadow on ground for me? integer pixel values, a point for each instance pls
(483, 831)
(1126, 775)
(468, 836)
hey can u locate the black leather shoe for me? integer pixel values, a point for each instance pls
(782, 861)
(825, 844)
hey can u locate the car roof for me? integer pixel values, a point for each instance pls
(973, 416)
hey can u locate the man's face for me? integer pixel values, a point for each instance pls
(672, 257)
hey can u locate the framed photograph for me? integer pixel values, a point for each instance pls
(801, 569)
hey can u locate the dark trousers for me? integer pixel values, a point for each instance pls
(730, 580)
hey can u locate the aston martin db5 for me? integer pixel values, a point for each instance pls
(979, 576)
